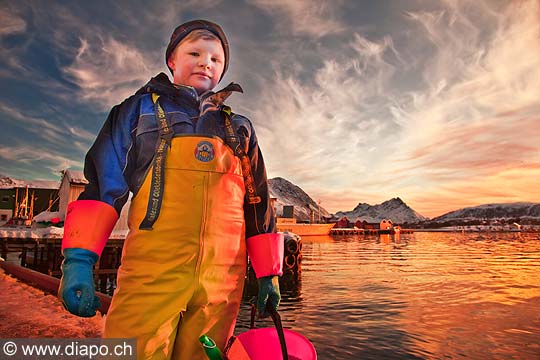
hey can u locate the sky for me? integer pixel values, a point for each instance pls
(433, 101)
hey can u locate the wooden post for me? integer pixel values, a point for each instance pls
(4, 249)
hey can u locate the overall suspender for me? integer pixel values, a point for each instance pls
(212, 102)
(234, 143)
(158, 172)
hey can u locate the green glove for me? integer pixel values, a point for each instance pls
(268, 295)
(77, 284)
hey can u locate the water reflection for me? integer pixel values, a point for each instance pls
(290, 285)
(422, 295)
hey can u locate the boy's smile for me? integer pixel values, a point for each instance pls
(198, 63)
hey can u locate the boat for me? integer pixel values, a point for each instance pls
(290, 225)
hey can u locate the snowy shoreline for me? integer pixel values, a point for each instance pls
(51, 232)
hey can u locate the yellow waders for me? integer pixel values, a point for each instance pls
(185, 277)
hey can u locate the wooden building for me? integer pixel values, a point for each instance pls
(343, 223)
(72, 185)
(384, 224)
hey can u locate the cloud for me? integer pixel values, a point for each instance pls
(516, 184)
(29, 156)
(305, 17)
(321, 131)
(44, 129)
(478, 113)
(469, 77)
(11, 23)
(483, 146)
(381, 119)
(108, 71)
(96, 56)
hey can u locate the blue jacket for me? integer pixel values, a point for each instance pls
(122, 154)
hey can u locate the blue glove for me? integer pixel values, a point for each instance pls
(268, 295)
(77, 290)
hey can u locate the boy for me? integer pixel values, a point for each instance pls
(200, 198)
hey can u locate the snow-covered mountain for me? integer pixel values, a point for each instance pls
(7, 182)
(289, 194)
(521, 210)
(394, 209)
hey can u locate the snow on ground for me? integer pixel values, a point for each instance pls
(50, 232)
(26, 312)
(29, 233)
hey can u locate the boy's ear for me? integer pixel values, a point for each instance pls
(171, 64)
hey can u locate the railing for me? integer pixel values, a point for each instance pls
(45, 256)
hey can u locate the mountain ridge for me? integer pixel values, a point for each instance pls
(492, 211)
(288, 193)
(395, 209)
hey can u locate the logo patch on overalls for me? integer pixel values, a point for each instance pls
(204, 151)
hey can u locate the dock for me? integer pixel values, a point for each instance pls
(358, 231)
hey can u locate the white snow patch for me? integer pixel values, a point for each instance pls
(50, 232)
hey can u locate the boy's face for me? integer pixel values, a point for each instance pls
(198, 63)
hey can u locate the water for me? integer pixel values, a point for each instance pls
(417, 296)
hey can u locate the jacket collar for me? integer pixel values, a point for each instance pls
(181, 94)
(186, 95)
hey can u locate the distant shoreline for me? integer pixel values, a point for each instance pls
(528, 229)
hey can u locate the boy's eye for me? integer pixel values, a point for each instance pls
(194, 53)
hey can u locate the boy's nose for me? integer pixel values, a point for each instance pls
(205, 62)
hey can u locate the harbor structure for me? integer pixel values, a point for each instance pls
(21, 200)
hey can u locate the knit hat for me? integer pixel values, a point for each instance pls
(182, 30)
